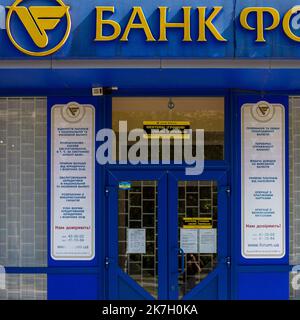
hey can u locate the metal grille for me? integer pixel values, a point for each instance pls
(23, 170)
(138, 210)
(24, 287)
(196, 199)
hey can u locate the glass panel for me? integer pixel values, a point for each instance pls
(200, 113)
(25, 287)
(23, 192)
(294, 284)
(197, 234)
(138, 234)
(294, 188)
(294, 157)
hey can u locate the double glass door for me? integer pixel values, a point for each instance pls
(167, 235)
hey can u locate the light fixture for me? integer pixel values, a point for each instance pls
(171, 104)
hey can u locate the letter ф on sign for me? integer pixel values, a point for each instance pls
(287, 21)
(260, 13)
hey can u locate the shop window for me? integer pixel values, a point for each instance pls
(294, 159)
(205, 113)
(23, 194)
(24, 287)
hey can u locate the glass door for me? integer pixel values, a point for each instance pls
(136, 262)
(200, 263)
(138, 233)
(167, 235)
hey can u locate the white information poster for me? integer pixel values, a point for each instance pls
(136, 241)
(207, 239)
(263, 180)
(72, 182)
(189, 240)
(198, 240)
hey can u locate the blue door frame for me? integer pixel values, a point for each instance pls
(215, 285)
(120, 285)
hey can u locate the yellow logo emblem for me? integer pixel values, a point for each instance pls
(37, 20)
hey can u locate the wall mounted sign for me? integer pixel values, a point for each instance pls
(38, 22)
(263, 180)
(218, 28)
(72, 182)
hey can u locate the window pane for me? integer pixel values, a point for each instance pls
(140, 265)
(24, 287)
(294, 157)
(294, 291)
(197, 264)
(23, 169)
(199, 113)
(294, 145)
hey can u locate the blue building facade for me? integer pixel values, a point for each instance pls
(72, 227)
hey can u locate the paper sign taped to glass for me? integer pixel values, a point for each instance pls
(198, 240)
(167, 129)
(197, 223)
(136, 241)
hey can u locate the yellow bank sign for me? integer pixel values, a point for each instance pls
(43, 23)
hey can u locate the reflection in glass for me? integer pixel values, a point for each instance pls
(201, 112)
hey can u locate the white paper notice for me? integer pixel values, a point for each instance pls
(136, 241)
(72, 182)
(263, 180)
(207, 241)
(189, 240)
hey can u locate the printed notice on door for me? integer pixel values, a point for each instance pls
(189, 240)
(263, 180)
(198, 240)
(136, 241)
(72, 182)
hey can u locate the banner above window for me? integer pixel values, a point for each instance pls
(141, 29)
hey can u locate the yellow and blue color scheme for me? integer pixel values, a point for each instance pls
(61, 30)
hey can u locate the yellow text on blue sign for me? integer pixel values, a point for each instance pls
(137, 20)
(41, 20)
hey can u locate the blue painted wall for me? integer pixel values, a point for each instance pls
(267, 285)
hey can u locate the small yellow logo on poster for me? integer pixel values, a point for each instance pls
(73, 112)
(263, 111)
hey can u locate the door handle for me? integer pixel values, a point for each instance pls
(181, 252)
